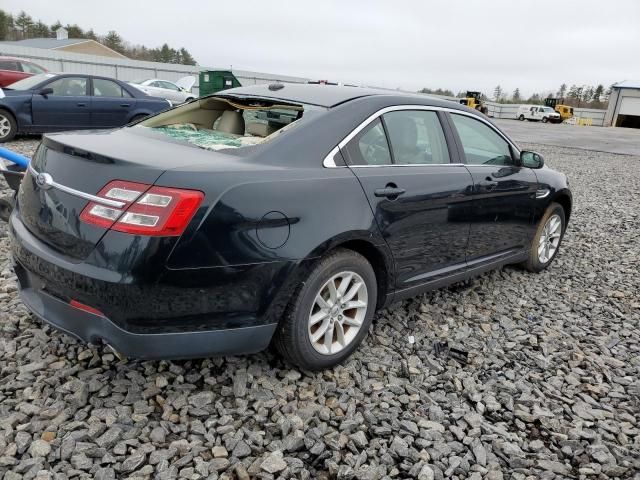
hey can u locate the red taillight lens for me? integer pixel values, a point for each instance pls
(146, 210)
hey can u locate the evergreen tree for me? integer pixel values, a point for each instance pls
(23, 23)
(598, 93)
(187, 59)
(5, 27)
(563, 90)
(114, 41)
(90, 34)
(516, 95)
(55, 27)
(39, 30)
(497, 93)
(74, 31)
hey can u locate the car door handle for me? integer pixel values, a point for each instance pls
(391, 191)
(125, 104)
(488, 186)
(81, 104)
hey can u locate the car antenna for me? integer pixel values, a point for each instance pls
(276, 86)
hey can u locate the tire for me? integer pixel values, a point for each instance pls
(188, 100)
(293, 337)
(538, 262)
(8, 126)
(545, 119)
(521, 118)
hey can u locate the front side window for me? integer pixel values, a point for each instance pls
(69, 87)
(369, 146)
(169, 86)
(482, 144)
(416, 137)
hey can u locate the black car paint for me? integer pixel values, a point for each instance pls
(36, 113)
(269, 212)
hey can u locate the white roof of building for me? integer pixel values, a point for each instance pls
(627, 84)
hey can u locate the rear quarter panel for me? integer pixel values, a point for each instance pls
(271, 215)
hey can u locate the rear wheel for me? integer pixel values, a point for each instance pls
(330, 313)
(521, 118)
(8, 126)
(546, 242)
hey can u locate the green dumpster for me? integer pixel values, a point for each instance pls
(212, 81)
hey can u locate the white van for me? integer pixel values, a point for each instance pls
(538, 113)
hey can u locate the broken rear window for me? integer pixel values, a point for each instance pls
(216, 123)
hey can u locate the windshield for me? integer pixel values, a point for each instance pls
(30, 82)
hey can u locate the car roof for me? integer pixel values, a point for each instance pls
(321, 95)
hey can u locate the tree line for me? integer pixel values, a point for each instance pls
(585, 96)
(23, 26)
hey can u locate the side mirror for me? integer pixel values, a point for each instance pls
(46, 91)
(531, 159)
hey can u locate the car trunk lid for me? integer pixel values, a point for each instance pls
(80, 164)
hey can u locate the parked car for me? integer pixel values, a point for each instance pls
(49, 103)
(538, 113)
(14, 69)
(285, 213)
(176, 93)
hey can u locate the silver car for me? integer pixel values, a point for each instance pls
(176, 93)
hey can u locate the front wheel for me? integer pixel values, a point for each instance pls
(546, 242)
(8, 126)
(521, 118)
(545, 119)
(330, 313)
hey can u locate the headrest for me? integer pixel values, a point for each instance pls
(231, 122)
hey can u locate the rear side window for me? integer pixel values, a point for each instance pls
(31, 68)
(369, 146)
(9, 65)
(416, 137)
(107, 88)
(482, 145)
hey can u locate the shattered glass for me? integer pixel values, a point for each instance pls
(209, 139)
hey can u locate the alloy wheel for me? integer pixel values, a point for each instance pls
(5, 126)
(549, 239)
(337, 313)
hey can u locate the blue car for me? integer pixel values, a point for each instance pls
(52, 103)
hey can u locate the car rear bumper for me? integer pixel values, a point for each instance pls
(165, 321)
(93, 328)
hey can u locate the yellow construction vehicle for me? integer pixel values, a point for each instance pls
(565, 111)
(474, 100)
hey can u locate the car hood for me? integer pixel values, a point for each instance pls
(187, 82)
(5, 92)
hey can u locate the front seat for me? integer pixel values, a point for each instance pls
(231, 121)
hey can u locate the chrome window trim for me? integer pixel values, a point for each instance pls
(78, 193)
(328, 160)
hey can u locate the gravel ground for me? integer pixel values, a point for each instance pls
(551, 388)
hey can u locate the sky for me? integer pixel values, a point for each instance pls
(533, 45)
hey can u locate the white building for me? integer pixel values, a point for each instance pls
(624, 105)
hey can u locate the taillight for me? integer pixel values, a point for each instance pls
(145, 210)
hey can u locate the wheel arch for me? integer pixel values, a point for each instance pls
(566, 202)
(376, 253)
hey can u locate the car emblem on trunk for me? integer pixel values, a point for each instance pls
(44, 181)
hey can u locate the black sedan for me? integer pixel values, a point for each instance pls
(284, 214)
(52, 103)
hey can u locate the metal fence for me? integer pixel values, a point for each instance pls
(127, 70)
